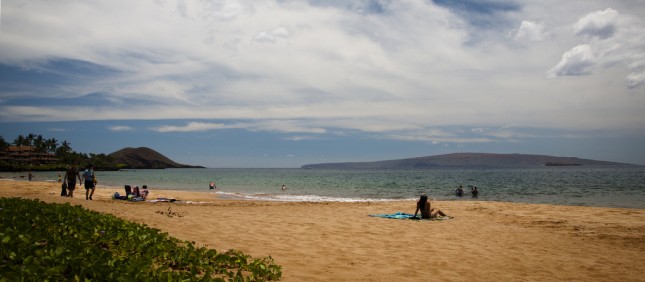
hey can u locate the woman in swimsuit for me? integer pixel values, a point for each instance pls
(426, 211)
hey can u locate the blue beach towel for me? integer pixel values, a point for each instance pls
(402, 215)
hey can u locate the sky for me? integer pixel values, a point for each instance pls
(284, 83)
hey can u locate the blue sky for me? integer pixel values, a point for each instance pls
(284, 83)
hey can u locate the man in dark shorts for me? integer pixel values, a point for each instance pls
(70, 176)
(88, 175)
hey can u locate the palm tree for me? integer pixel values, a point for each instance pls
(39, 144)
(64, 148)
(20, 141)
(3, 144)
(51, 145)
(30, 139)
(64, 153)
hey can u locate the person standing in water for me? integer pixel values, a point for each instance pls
(284, 187)
(459, 192)
(212, 186)
(474, 192)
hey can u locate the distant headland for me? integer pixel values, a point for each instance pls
(34, 152)
(467, 160)
(143, 157)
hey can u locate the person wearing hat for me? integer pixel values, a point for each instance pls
(427, 212)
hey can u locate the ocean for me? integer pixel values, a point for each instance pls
(621, 186)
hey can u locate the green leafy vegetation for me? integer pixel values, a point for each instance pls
(41, 241)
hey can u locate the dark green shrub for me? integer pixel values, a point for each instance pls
(40, 241)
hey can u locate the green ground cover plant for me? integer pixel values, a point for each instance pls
(42, 241)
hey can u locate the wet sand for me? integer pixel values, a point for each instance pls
(485, 241)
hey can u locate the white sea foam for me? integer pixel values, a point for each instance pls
(298, 198)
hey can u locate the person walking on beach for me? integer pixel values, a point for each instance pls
(31, 175)
(90, 182)
(427, 212)
(59, 177)
(70, 176)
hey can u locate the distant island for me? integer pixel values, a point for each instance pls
(143, 158)
(467, 160)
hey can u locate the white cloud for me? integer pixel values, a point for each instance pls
(294, 67)
(577, 61)
(191, 127)
(438, 139)
(530, 31)
(602, 24)
(635, 79)
(120, 128)
(285, 126)
(272, 36)
(302, 137)
(509, 134)
(610, 39)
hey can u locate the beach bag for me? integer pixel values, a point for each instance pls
(63, 191)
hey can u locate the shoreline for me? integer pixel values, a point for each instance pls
(557, 187)
(322, 241)
(220, 194)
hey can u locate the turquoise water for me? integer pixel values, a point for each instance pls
(584, 186)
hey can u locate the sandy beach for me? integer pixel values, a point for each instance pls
(485, 241)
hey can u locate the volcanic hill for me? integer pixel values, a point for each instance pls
(143, 157)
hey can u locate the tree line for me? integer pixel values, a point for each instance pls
(40, 144)
(62, 151)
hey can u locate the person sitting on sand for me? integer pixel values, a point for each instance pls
(144, 192)
(426, 211)
(135, 192)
